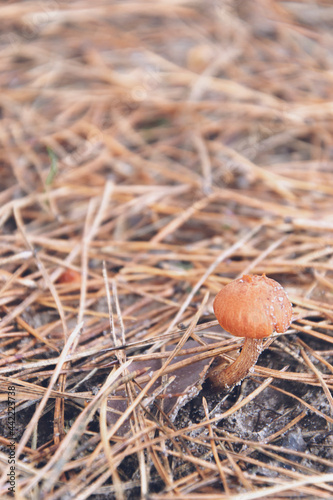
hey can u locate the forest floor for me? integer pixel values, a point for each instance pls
(151, 152)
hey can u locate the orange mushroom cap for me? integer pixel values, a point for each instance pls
(70, 276)
(253, 307)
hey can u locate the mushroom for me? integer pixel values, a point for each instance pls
(252, 307)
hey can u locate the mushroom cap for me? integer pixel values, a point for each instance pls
(253, 307)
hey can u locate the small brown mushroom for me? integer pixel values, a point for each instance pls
(252, 307)
(70, 276)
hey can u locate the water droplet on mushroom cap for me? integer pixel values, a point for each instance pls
(253, 307)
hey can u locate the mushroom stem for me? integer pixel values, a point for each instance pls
(225, 378)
